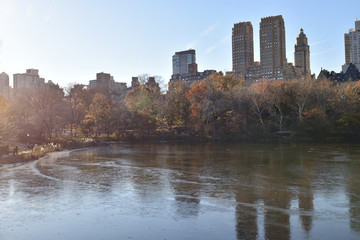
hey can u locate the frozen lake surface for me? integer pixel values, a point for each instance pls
(185, 191)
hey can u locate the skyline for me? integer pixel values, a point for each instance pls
(70, 41)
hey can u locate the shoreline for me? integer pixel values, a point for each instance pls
(40, 152)
(30, 156)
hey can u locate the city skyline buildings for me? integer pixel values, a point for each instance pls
(45, 35)
(273, 62)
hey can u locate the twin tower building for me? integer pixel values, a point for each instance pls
(273, 63)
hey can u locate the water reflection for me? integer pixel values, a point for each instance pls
(270, 191)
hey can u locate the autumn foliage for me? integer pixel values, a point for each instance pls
(219, 107)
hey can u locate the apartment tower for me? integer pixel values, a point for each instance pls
(184, 62)
(302, 54)
(352, 46)
(272, 47)
(4, 84)
(242, 48)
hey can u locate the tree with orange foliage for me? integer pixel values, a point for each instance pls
(177, 110)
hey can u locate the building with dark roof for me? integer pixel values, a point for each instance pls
(192, 77)
(351, 74)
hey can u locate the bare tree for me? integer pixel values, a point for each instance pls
(299, 91)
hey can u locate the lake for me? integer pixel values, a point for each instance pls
(185, 191)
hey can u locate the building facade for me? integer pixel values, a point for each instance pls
(273, 62)
(185, 68)
(28, 80)
(272, 47)
(106, 84)
(351, 74)
(192, 77)
(352, 46)
(182, 60)
(302, 54)
(4, 85)
(242, 48)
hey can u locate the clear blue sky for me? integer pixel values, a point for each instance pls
(71, 40)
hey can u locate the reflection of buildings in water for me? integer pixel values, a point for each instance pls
(187, 206)
(276, 193)
(306, 196)
(277, 217)
(185, 184)
(187, 198)
(306, 205)
(187, 188)
(246, 216)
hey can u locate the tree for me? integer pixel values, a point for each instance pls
(50, 111)
(98, 115)
(324, 93)
(278, 101)
(259, 99)
(4, 107)
(177, 110)
(75, 96)
(299, 93)
(211, 99)
(146, 102)
(196, 95)
(349, 121)
(41, 113)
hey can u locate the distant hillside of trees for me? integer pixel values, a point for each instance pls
(219, 108)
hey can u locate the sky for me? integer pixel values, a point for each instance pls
(69, 41)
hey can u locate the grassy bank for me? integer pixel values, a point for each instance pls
(25, 154)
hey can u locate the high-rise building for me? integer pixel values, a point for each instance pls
(106, 84)
(30, 80)
(242, 48)
(302, 54)
(185, 68)
(4, 84)
(272, 47)
(352, 46)
(182, 60)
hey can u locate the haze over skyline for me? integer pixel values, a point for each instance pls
(71, 41)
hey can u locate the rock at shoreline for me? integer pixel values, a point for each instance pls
(103, 143)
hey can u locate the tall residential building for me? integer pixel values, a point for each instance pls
(242, 48)
(4, 84)
(352, 46)
(185, 68)
(182, 60)
(106, 84)
(30, 80)
(302, 54)
(272, 47)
